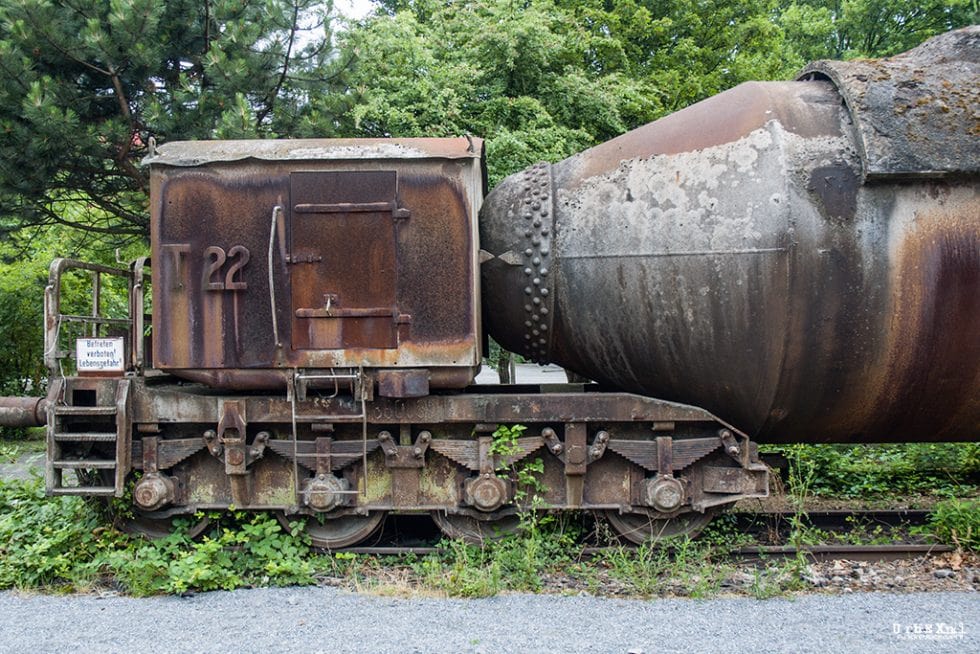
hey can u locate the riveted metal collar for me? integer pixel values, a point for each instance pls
(538, 226)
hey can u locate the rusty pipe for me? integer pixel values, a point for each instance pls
(23, 411)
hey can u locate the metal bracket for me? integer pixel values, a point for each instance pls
(732, 447)
(154, 490)
(576, 454)
(595, 451)
(229, 441)
(665, 456)
(405, 456)
(323, 461)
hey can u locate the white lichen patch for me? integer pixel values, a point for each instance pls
(714, 199)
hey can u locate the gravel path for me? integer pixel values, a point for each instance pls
(27, 465)
(330, 620)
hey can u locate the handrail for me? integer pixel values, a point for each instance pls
(136, 293)
(53, 317)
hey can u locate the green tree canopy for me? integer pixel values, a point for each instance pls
(844, 29)
(522, 75)
(85, 85)
(545, 79)
(541, 79)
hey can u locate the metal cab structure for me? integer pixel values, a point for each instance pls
(316, 255)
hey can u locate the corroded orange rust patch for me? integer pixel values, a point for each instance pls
(930, 382)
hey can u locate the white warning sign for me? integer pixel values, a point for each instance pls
(100, 355)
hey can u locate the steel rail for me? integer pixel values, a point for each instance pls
(890, 552)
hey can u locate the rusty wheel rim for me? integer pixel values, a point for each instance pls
(334, 533)
(640, 528)
(473, 531)
(157, 528)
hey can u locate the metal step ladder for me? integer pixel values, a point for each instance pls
(108, 424)
(296, 390)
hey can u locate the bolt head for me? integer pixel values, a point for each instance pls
(153, 491)
(235, 457)
(665, 494)
(487, 493)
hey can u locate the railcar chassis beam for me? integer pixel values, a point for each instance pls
(638, 460)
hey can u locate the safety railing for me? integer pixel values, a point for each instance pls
(62, 328)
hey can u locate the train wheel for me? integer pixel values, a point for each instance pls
(473, 531)
(641, 528)
(156, 528)
(334, 533)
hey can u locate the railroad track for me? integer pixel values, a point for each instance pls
(413, 535)
(777, 525)
(839, 518)
(891, 552)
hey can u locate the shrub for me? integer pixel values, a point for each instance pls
(66, 543)
(957, 522)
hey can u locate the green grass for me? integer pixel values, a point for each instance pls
(28, 441)
(871, 471)
(956, 522)
(68, 544)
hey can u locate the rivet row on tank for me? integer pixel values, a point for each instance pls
(537, 188)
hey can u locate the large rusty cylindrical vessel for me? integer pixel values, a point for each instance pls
(800, 258)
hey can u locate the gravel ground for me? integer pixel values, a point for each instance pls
(329, 620)
(27, 465)
(945, 573)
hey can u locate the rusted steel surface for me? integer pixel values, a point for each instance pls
(910, 121)
(174, 404)
(433, 453)
(311, 254)
(350, 461)
(731, 256)
(23, 411)
(197, 153)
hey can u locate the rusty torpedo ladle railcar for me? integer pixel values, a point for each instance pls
(786, 261)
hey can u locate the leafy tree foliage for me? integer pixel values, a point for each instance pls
(24, 261)
(85, 84)
(844, 29)
(21, 317)
(519, 74)
(541, 79)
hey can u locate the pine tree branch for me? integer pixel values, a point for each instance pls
(62, 51)
(270, 99)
